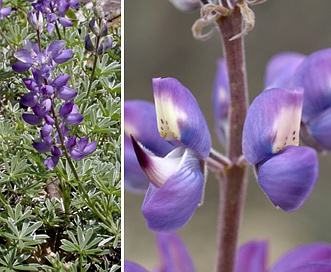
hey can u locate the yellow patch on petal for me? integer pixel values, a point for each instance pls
(167, 119)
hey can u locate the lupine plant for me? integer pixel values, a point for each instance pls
(279, 136)
(60, 136)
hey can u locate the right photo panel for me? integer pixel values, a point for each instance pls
(227, 136)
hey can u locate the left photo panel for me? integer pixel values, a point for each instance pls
(60, 135)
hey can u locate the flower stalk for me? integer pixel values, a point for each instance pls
(234, 180)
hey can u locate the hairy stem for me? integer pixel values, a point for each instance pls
(233, 181)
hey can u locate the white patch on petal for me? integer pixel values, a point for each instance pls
(222, 97)
(168, 116)
(287, 128)
(160, 169)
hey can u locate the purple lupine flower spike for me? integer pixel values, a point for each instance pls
(221, 102)
(287, 173)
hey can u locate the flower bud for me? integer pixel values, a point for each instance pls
(36, 20)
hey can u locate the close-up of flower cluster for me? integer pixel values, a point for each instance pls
(60, 136)
(281, 137)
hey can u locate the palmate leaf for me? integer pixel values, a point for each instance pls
(84, 244)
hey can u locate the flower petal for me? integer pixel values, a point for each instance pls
(42, 147)
(90, 148)
(74, 118)
(51, 162)
(21, 67)
(66, 93)
(179, 118)
(173, 253)
(320, 266)
(252, 257)
(289, 177)
(24, 56)
(301, 256)
(76, 154)
(314, 76)
(221, 101)
(320, 129)
(32, 119)
(133, 267)
(272, 122)
(29, 100)
(157, 169)
(63, 56)
(171, 206)
(280, 69)
(4, 12)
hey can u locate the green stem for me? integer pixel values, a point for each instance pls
(7, 41)
(234, 180)
(94, 67)
(73, 169)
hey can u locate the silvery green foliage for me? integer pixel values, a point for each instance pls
(44, 213)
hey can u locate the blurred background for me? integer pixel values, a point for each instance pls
(158, 43)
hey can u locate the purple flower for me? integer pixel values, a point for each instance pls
(69, 112)
(173, 255)
(4, 11)
(52, 161)
(55, 9)
(221, 102)
(83, 148)
(286, 173)
(30, 55)
(312, 73)
(177, 179)
(315, 257)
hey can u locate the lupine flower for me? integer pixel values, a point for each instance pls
(82, 149)
(36, 20)
(221, 102)
(30, 55)
(312, 73)
(4, 11)
(173, 255)
(315, 257)
(177, 180)
(139, 118)
(186, 5)
(55, 9)
(286, 172)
